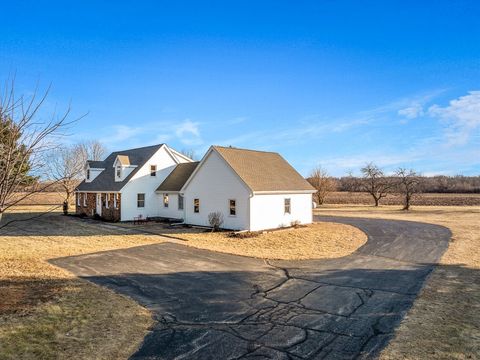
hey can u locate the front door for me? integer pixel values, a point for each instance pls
(99, 204)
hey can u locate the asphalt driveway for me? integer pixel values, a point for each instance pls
(210, 305)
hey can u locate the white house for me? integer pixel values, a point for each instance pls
(254, 190)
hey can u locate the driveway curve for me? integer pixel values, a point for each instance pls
(210, 305)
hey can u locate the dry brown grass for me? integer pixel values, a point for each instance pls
(444, 322)
(425, 199)
(319, 240)
(47, 313)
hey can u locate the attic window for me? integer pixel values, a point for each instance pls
(119, 171)
(153, 170)
(88, 174)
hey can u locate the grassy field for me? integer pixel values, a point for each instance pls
(444, 322)
(45, 312)
(427, 199)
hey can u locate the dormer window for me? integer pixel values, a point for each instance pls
(88, 174)
(119, 171)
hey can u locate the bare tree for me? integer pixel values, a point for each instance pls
(92, 150)
(408, 184)
(322, 182)
(66, 165)
(25, 139)
(190, 153)
(375, 182)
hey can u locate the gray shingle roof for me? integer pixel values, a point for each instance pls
(263, 170)
(96, 164)
(105, 181)
(178, 177)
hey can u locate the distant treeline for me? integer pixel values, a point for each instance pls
(458, 184)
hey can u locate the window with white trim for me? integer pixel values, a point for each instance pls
(196, 205)
(180, 202)
(165, 200)
(232, 207)
(140, 200)
(119, 171)
(88, 174)
(153, 170)
(287, 206)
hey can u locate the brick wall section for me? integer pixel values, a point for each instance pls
(89, 208)
(111, 213)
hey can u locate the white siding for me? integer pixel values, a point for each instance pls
(143, 182)
(172, 210)
(215, 184)
(267, 211)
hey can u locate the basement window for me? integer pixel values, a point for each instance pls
(233, 207)
(140, 200)
(165, 200)
(153, 170)
(287, 207)
(196, 205)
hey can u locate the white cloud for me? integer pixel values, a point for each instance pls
(188, 133)
(412, 112)
(462, 116)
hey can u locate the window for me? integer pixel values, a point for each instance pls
(196, 205)
(107, 200)
(287, 206)
(165, 200)
(78, 198)
(140, 200)
(153, 170)
(180, 202)
(88, 174)
(84, 199)
(233, 207)
(115, 196)
(119, 171)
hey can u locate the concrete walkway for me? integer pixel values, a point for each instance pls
(217, 306)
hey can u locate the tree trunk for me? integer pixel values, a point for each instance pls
(407, 203)
(66, 204)
(376, 200)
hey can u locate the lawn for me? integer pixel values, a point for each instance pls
(47, 313)
(316, 241)
(444, 322)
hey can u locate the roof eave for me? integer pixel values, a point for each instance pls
(265, 192)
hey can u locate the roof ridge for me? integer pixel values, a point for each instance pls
(138, 148)
(243, 149)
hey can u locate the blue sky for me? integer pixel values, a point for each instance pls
(330, 83)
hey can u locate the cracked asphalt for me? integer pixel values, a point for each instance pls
(211, 305)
